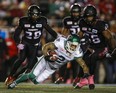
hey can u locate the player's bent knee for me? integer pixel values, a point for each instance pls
(35, 82)
(31, 76)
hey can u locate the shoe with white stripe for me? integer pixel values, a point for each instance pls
(12, 85)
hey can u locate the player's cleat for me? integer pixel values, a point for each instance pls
(59, 80)
(91, 86)
(12, 85)
(83, 82)
(91, 82)
(9, 79)
(76, 80)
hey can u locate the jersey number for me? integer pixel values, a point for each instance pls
(74, 30)
(95, 39)
(60, 59)
(34, 35)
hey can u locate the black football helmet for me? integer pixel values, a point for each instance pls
(75, 11)
(90, 11)
(34, 11)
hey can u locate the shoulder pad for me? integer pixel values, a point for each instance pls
(67, 18)
(101, 22)
(44, 19)
(24, 18)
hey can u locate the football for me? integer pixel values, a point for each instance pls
(53, 55)
(51, 52)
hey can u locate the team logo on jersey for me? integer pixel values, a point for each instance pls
(84, 28)
(27, 25)
(38, 25)
(69, 22)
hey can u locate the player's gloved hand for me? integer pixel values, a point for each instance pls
(91, 51)
(20, 46)
(111, 53)
(104, 53)
(108, 55)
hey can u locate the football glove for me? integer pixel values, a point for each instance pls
(20, 46)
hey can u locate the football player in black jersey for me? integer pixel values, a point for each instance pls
(32, 28)
(71, 23)
(71, 27)
(99, 38)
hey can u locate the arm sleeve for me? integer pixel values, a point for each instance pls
(18, 31)
(65, 23)
(81, 25)
(104, 26)
(48, 47)
(49, 29)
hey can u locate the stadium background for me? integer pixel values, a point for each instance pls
(55, 11)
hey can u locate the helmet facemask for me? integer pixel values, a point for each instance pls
(75, 11)
(71, 47)
(34, 12)
(72, 44)
(89, 19)
(89, 14)
(75, 15)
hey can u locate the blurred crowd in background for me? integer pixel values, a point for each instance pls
(55, 11)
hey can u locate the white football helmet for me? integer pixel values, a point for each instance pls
(72, 43)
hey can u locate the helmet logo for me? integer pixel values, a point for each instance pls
(38, 25)
(72, 43)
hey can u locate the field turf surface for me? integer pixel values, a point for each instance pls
(53, 88)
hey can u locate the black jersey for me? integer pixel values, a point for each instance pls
(32, 30)
(95, 33)
(71, 24)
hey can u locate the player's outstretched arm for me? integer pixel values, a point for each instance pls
(82, 63)
(48, 47)
(50, 30)
(18, 31)
(112, 42)
(65, 32)
(80, 34)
